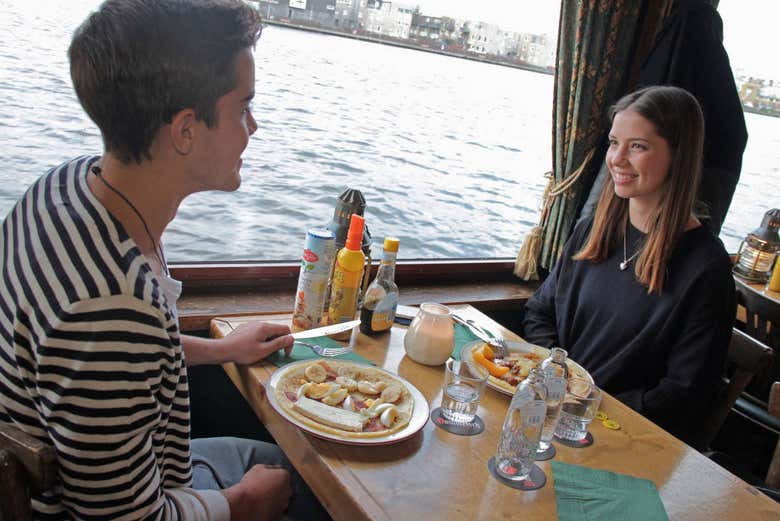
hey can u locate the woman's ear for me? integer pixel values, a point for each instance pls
(182, 130)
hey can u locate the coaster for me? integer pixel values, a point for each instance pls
(475, 426)
(536, 479)
(548, 454)
(587, 441)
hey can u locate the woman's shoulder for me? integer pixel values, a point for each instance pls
(701, 247)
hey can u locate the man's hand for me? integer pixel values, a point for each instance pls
(246, 345)
(254, 341)
(261, 495)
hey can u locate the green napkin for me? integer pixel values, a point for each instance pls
(463, 336)
(584, 494)
(300, 352)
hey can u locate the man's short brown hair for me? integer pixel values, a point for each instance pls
(136, 63)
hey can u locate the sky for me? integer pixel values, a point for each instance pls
(749, 36)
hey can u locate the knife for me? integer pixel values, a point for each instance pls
(326, 330)
(474, 329)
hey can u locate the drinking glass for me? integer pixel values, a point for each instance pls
(580, 406)
(463, 387)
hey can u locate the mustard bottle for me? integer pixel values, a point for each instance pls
(347, 275)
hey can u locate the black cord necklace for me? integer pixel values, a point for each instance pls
(157, 251)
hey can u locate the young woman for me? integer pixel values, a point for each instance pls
(643, 295)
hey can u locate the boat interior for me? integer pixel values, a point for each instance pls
(745, 442)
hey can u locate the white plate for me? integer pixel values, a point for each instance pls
(417, 422)
(521, 347)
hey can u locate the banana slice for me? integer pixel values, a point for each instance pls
(391, 394)
(320, 390)
(335, 397)
(316, 373)
(367, 387)
(389, 416)
(348, 372)
(349, 383)
(348, 404)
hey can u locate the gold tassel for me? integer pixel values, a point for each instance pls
(527, 258)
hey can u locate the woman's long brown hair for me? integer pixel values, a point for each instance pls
(677, 118)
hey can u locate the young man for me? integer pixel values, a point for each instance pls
(91, 357)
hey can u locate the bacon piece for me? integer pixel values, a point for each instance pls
(373, 425)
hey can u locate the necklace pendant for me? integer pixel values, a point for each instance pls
(623, 265)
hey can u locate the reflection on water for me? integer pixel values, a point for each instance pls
(450, 154)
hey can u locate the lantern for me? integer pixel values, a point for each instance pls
(757, 252)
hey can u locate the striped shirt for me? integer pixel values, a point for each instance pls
(91, 360)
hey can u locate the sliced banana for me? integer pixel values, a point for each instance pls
(391, 394)
(316, 373)
(367, 387)
(317, 391)
(348, 372)
(389, 416)
(349, 383)
(335, 397)
(348, 404)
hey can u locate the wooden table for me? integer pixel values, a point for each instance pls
(436, 475)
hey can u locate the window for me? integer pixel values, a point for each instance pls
(746, 24)
(449, 153)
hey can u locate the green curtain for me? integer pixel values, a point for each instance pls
(600, 46)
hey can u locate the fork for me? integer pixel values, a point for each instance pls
(325, 351)
(503, 350)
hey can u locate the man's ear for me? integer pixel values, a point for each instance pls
(183, 129)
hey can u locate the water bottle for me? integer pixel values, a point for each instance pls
(556, 376)
(522, 428)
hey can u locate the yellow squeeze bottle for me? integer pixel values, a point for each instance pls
(774, 282)
(347, 276)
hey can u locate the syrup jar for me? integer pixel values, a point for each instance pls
(431, 336)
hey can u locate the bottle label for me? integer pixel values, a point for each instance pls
(533, 413)
(311, 293)
(556, 389)
(384, 313)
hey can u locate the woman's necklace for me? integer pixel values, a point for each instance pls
(627, 260)
(157, 251)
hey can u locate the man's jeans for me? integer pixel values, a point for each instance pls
(219, 463)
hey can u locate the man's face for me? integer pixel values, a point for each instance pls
(220, 148)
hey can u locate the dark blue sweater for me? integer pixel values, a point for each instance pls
(662, 355)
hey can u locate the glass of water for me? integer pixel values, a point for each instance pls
(580, 406)
(463, 387)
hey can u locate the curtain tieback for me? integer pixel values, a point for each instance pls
(526, 263)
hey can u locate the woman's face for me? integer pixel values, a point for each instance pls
(638, 159)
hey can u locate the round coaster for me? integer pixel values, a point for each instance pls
(587, 441)
(536, 478)
(475, 426)
(548, 454)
